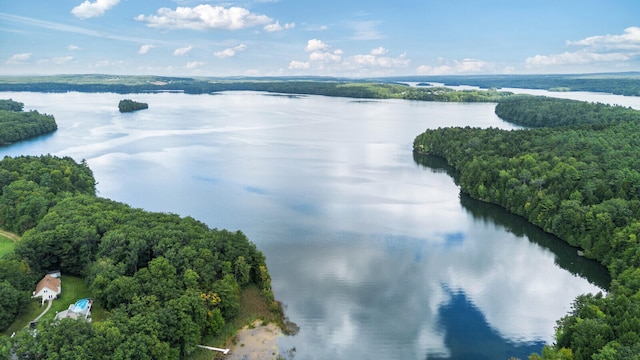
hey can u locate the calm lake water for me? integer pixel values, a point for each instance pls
(374, 253)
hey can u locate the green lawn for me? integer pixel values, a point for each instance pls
(6, 245)
(30, 313)
(73, 289)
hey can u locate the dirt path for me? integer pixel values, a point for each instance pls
(45, 310)
(10, 235)
(256, 342)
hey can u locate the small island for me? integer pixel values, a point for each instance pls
(128, 105)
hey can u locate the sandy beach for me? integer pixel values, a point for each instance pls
(256, 342)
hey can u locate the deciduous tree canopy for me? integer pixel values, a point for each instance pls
(16, 125)
(128, 105)
(581, 183)
(166, 281)
(541, 111)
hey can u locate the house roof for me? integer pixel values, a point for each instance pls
(50, 282)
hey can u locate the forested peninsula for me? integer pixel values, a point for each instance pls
(542, 111)
(17, 125)
(575, 176)
(162, 283)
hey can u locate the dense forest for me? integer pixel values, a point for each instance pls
(128, 105)
(16, 125)
(580, 182)
(542, 111)
(30, 186)
(167, 282)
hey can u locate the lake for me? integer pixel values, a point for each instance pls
(374, 254)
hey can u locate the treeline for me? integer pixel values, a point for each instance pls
(449, 95)
(542, 111)
(351, 89)
(580, 183)
(128, 105)
(614, 83)
(11, 105)
(16, 125)
(16, 284)
(167, 282)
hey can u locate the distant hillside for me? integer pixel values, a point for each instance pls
(627, 83)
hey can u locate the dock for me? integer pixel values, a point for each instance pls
(224, 351)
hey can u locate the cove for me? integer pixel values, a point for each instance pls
(374, 253)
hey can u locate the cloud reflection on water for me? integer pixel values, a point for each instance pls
(365, 248)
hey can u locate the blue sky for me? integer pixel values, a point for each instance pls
(354, 38)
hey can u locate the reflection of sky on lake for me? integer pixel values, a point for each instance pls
(368, 251)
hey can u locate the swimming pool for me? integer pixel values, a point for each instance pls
(81, 305)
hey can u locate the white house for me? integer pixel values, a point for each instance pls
(48, 288)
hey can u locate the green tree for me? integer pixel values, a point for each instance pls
(242, 271)
(11, 301)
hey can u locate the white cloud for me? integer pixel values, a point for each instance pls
(230, 52)
(617, 49)
(325, 56)
(89, 9)
(73, 47)
(18, 58)
(374, 61)
(145, 49)
(320, 52)
(299, 65)
(277, 27)
(379, 51)
(315, 45)
(575, 58)
(465, 66)
(194, 64)
(204, 17)
(630, 40)
(182, 51)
